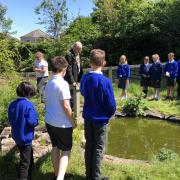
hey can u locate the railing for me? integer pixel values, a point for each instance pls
(110, 72)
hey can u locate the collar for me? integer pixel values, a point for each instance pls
(171, 61)
(96, 72)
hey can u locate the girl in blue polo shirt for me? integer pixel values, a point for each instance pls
(156, 75)
(145, 76)
(23, 119)
(170, 70)
(123, 74)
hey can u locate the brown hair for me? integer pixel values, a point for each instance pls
(147, 58)
(123, 56)
(59, 63)
(97, 57)
(25, 89)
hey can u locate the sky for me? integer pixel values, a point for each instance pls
(25, 20)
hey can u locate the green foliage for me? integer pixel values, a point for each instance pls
(134, 106)
(166, 154)
(138, 28)
(6, 56)
(8, 93)
(53, 14)
(5, 23)
(81, 29)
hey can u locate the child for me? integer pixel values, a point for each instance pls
(155, 76)
(178, 80)
(58, 118)
(41, 69)
(99, 106)
(145, 76)
(23, 119)
(123, 74)
(171, 70)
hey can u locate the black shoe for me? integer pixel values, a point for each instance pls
(68, 176)
(166, 98)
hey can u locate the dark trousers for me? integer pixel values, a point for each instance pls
(178, 88)
(41, 81)
(95, 135)
(26, 162)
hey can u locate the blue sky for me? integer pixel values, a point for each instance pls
(25, 20)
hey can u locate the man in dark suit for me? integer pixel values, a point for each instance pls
(74, 70)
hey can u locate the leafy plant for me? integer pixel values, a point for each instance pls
(166, 154)
(134, 106)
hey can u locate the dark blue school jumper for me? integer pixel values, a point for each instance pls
(99, 106)
(145, 74)
(123, 74)
(156, 74)
(23, 119)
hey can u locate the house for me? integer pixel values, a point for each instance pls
(34, 36)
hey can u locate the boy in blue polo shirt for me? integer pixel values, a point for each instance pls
(170, 70)
(23, 119)
(99, 106)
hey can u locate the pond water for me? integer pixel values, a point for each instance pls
(141, 138)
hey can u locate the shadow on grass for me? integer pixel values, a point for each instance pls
(43, 169)
(47, 173)
(9, 166)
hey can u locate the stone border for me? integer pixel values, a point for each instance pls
(153, 115)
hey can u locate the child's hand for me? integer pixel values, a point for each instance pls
(167, 74)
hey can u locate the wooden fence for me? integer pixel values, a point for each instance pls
(110, 72)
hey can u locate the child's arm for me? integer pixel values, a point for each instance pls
(128, 72)
(68, 111)
(32, 118)
(110, 103)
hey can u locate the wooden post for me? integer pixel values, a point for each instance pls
(76, 105)
(110, 73)
(27, 76)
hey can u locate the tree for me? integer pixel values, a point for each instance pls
(5, 23)
(53, 14)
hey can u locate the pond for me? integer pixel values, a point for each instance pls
(141, 138)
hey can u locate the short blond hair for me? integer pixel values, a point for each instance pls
(155, 56)
(97, 57)
(171, 55)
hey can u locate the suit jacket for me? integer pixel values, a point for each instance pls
(72, 74)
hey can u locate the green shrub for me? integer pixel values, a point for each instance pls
(134, 106)
(166, 154)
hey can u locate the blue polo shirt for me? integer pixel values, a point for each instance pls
(99, 101)
(23, 118)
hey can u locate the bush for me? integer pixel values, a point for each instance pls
(166, 154)
(8, 94)
(134, 106)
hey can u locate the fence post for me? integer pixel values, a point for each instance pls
(110, 73)
(76, 105)
(27, 76)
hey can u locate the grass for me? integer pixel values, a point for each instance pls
(168, 170)
(163, 106)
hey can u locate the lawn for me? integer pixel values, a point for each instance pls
(43, 168)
